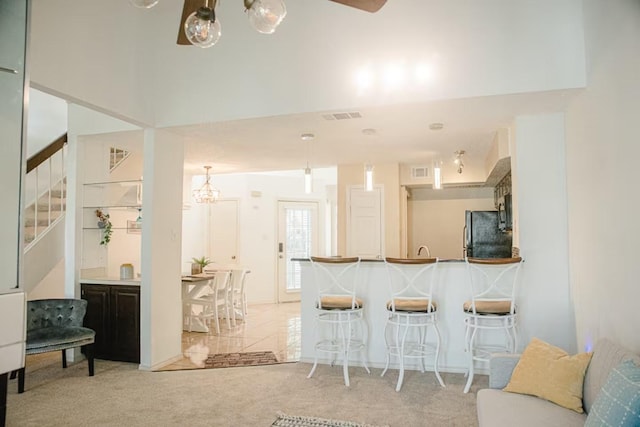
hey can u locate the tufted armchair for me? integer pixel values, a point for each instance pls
(56, 324)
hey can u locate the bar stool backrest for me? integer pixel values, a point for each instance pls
(493, 279)
(336, 277)
(412, 279)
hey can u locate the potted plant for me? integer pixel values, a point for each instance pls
(198, 264)
(104, 223)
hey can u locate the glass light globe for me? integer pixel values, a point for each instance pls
(202, 32)
(266, 15)
(144, 4)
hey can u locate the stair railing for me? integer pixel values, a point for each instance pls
(46, 174)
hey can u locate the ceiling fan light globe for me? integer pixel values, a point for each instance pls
(202, 32)
(144, 4)
(266, 15)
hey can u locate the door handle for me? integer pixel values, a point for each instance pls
(233, 257)
(9, 70)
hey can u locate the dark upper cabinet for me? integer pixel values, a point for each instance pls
(113, 311)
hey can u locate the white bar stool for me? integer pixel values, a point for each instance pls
(492, 307)
(412, 310)
(339, 310)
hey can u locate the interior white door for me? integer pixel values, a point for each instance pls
(297, 238)
(364, 223)
(223, 232)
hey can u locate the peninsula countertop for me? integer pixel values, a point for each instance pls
(110, 281)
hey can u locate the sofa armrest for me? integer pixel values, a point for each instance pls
(501, 367)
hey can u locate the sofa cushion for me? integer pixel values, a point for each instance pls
(497, 408)
(549, 372)
(606, 356)
(618, 403)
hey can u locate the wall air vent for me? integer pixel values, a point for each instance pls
(342, 116)
(418, 172)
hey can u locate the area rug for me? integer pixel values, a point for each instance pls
(223, 360)
(231, 360)
(298, 421)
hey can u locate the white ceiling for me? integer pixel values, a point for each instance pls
(485, 54)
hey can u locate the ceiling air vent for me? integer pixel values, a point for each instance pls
(418, 172)
(342, 116)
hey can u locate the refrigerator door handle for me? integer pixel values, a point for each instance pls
(464, 241)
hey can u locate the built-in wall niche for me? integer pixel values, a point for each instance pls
(122, 202)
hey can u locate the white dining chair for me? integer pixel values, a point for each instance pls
(211, 303)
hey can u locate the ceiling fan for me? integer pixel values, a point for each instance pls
(198, 24)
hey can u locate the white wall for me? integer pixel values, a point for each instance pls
(436, 218)
(258, 223)
(278, 75)
(603, 144)
(90, 52)
(129, 64)
(543, 239)
(47, 120)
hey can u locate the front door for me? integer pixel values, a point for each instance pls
(297, 238)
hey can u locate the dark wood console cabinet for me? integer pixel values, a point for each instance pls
(113, 311)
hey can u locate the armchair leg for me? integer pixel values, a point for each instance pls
(64, 358)
(88, 352)
(13, 375)
(21, 380)
(3, 398)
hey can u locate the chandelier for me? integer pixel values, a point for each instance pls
(206, 193)
(202, 27)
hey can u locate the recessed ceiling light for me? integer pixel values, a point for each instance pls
(369, 131)
(307, 136)
(436, 126)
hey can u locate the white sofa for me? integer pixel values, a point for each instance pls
(498, 408)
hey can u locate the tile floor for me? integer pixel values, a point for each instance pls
(274, 327)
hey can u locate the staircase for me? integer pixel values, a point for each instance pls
(43, 213)
(45, 199)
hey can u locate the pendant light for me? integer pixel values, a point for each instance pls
(308, 178)
(206, 193)
(202, 28)
(437, 176)
(368, 177)
(144, 4)
(265, 15)
(458, 159)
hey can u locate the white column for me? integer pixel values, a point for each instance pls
(161, 305)
(543, 231)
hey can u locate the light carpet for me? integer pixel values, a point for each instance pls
(298, 421)
(121, 394)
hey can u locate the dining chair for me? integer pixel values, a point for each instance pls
(213, 303)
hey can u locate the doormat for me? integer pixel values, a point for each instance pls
(231, 360)
(297, 421)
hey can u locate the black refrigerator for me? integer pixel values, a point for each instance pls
(483, 237)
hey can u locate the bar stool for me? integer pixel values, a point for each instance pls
(411, 312)
(339, 310)
(492, 307)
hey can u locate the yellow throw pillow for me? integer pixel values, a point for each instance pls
(550, 373)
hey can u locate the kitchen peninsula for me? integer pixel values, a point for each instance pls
(450, 293)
